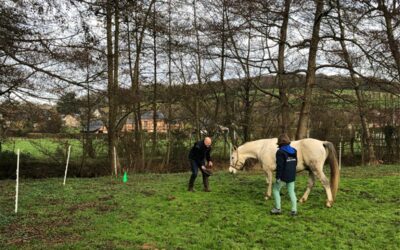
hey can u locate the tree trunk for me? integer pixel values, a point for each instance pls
(302, 126)
(198, 71)
(116, 74)
(248, 102)
(86, 139)
(111, 89)
(154, 104)
(139, 36)
(169, 118)
(137, 103)
(371, 159)
(197, 118)
(283, 95)
(247, 112)
(229, 118)
(393, 44)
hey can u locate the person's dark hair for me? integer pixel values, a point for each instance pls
(283, 139)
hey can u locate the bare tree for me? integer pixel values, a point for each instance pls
(361, 105)
(112, 10)
(390, 16)
(141, 15)
(169, 90)
(311, 69)
(280, 76)
(198, 67)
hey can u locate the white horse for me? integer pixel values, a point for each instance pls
(311, 156)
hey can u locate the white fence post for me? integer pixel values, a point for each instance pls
(115, 161)
(17, 183)
(66, 166)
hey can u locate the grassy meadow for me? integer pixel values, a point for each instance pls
(154, 211)
(43, 149)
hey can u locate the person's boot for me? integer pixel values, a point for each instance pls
(206, 184)
(191, 184)
(275, 211)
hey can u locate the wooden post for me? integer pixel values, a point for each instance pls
(340, 153)
(230, 154)
(115, 161)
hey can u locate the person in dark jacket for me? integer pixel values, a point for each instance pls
(286, 162)
(198, 154)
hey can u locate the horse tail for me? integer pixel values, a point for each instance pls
(335, 172)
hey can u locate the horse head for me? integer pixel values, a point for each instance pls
(236, 161)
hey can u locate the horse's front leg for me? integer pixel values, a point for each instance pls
(268, 191)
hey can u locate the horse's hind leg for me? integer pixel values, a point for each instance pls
(310, 185)
(325, 183)
(268, 191)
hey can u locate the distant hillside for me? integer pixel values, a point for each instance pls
(293, 81)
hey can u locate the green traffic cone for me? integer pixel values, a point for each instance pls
(125, 179)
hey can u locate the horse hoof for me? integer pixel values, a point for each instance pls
(266, 198)
(329, 204)
(302, 200)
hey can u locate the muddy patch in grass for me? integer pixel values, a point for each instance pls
(82, 206)
(148, 246)
(104, 208)
(20, 233)
(366, 195)
(106, 198)
(171, 198)
(53, 201)
(100, 207)
(148, 192)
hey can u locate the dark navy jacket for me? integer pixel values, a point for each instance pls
(199, 152)
(286, 162)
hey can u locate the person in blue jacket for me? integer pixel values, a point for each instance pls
(198, 154)
(286, 162)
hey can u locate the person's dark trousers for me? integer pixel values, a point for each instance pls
(195, 169)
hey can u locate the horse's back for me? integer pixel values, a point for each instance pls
(310, 151)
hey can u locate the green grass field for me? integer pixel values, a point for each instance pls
(156, 211)
(47, 148)
(41, 149)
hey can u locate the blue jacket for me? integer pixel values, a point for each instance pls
(286, 162)
(199, 152)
